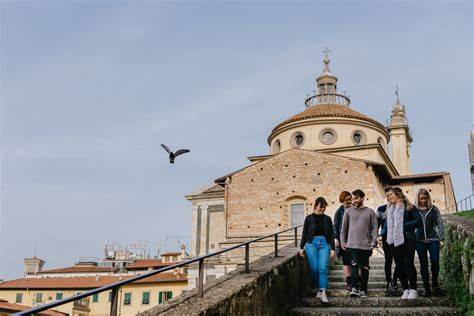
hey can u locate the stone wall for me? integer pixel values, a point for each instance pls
(260, 196)
(458, 261)
(272, 288)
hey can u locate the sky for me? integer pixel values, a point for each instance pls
(90, 89)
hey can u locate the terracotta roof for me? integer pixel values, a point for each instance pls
(171, 254)
(79, 269)
(147, 263)
(84, 282)
(328, 110)
(215, 188)
(13, 308)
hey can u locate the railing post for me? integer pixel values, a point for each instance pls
(276, 245)
(296, 236)
(114, 301)
(201, 278)
(247, 258)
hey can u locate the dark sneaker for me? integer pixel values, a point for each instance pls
(363, 294)
(391, 291)
(354, 292)
(348, 286)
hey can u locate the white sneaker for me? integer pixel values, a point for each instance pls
(318, 294)
(405, 294)
(323, 296)
(413, 295)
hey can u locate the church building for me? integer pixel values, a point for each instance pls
(327, 148)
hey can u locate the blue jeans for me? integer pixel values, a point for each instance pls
(422, 249)
(318, 251)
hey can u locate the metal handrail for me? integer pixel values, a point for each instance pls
(116, 285)
(463, 205)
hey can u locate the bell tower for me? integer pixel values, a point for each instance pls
(400, 138)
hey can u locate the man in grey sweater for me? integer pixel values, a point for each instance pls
(359, 236)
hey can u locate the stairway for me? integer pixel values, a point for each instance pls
(376, 303)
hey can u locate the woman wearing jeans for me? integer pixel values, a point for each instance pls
(430, 238)
(317, 243)
(402, 220)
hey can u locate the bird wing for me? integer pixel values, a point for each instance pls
(181, 151)
(166, 148)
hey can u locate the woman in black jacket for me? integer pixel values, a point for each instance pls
(430, 238)
(317, 243)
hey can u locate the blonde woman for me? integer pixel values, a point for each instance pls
(430, 238)
(402, 220)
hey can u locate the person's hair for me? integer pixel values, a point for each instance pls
(321, 202)
(387, 189)
(429, 204)
(398, 192)
(343, 196)
(358, 193)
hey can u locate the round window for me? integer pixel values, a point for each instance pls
(297, 140)
(358, 138)
(327, 136)
(276, 147)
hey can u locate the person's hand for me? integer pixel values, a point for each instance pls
(301, 253)
(336, 242)
(441, 243)
(343, 247)
(380, 240)
(332, 253)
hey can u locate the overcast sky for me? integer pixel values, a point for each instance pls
(89, 90)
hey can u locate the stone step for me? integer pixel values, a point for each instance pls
(341, 278)
(372, 273)
(375, 301)
(372, 284)
(373, 291)
(376, 311)
(378, 266)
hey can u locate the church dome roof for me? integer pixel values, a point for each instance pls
(327, 110)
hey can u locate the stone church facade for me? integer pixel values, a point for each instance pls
(327, 148)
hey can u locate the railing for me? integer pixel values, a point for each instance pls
(328, 98)
(114, 287)
(464, 205)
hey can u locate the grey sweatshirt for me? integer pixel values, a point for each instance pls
(359, 228)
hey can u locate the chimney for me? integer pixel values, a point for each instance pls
(33, 265)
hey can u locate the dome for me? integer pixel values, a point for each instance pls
(326, 110)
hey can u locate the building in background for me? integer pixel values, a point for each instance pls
(325, 149)
(39, 286)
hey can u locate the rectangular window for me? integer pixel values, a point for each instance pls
(19, 297)
(59, 296)
(95, 298)
(110, 296)
(146, 298)
(39, 297)
(127, 300)
(164, 296)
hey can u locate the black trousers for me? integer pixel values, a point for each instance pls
(404, 256)
(360, 261)
(388, 253)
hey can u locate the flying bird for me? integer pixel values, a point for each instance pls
(173, 155)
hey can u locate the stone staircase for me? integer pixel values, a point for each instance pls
(376, 303)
